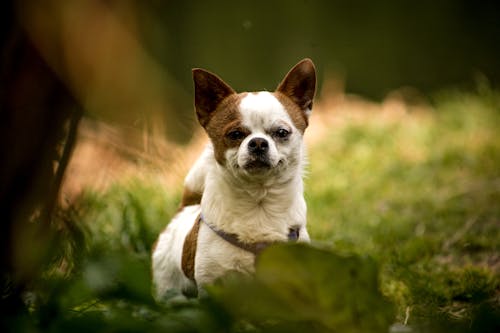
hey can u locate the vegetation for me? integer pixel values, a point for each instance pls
(420, 194)
(405, 215)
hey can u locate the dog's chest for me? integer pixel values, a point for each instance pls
(216, 257)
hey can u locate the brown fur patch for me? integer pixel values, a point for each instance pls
(190, 198)
(155, 244)
(189, 250)
(209, 91)
(225, 118)
(299, 84)
(298, 116)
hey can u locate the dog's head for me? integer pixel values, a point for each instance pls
(259, 133)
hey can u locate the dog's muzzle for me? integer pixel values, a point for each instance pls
(258, 150)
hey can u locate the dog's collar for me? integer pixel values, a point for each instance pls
(256, 247)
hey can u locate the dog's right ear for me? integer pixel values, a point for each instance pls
(300, 84)
(209, 92)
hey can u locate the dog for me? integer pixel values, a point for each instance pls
(245, 191)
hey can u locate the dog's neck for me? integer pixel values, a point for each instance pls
(255, 210)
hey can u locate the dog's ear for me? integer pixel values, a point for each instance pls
(209, 91)
(300, 85)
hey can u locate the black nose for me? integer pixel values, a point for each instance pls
(258, 146)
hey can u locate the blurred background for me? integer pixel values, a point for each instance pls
(93, 91)
(131, 61)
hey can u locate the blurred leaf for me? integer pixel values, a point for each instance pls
(298, 286)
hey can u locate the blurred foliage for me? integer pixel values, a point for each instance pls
(130, 61)
(298, 288)
(137, 212)
(406, 209)
(404, 212)
(375, 47)
(419, 192)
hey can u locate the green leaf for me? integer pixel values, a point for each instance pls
(299, 286)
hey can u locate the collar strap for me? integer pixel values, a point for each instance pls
(256, 247)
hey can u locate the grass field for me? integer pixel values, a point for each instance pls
(403, 207)
(420, 193)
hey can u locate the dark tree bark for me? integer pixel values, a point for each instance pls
(38, 123)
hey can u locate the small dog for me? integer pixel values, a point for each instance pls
(245, 191)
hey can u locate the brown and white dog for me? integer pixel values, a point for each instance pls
(245, 191)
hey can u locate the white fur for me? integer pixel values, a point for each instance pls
(166, 259)
(255, 207)
(195, 179)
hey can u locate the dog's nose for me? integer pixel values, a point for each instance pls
(258, 146)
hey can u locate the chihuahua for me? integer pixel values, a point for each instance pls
(245, 191)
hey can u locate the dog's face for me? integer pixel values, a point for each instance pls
(256, 134)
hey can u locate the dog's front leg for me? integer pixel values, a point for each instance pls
(304, 235)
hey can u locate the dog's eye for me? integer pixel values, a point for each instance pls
(282, 133)
(236, 135)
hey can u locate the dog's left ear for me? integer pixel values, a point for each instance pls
(209, 92)
(300, 85)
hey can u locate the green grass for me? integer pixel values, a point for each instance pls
(421, 194)
(405, 214)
